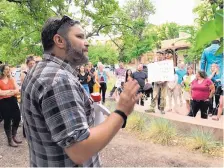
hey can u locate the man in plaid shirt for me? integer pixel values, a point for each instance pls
(58, 115)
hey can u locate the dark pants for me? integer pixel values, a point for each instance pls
(90, 84)
(197, 105)
(113, 90)
(1, 117)
(142, 98)
(90, 89)
(212, 110)
(10, 113)
(159, 98)
(149, 93)
(103, 89)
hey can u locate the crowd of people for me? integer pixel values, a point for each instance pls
(57, 111)
(201, 90)
(94, 80)
(10, 99)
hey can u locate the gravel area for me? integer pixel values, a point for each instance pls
(125, 150)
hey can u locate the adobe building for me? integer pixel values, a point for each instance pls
(173, 45)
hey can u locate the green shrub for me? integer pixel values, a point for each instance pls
(137, 122)
(202, 140)
(162, 131)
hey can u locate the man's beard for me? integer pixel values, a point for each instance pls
(75, 56)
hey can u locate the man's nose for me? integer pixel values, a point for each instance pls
(86, 43)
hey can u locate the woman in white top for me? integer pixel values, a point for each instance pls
(172, 91)
(187, 79)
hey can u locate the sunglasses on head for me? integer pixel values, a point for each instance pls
(66, 19)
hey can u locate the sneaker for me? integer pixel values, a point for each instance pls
(210, 114)
(151, 110)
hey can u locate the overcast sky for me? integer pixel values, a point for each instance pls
(179, 11)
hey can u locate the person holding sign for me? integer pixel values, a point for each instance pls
(159, 91)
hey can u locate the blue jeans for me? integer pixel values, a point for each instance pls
(86, 87)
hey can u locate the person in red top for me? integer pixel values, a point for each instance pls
(9, 106)
(202, 89)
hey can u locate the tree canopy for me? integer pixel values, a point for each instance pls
(105, 53)
(21, 23)
(128, 27)
(209, 26)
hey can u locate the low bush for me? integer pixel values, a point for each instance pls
(202, 140)
(162, 131)
(137, 122)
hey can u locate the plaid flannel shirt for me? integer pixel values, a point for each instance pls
(56, 112)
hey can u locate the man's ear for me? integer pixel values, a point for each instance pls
(59, 41)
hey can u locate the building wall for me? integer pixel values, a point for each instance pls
(144, 59)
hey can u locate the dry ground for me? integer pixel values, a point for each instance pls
(125, 150)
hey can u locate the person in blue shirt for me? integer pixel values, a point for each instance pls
(181, 72)
(208, 58)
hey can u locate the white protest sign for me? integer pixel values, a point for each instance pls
(161, 71)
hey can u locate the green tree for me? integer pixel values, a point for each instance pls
(204, 13)
(97, 14)
(132, 19)
(21, 22)
(209, 26)
(106, 54)
(162, 32)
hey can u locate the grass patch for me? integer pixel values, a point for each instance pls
(137, 122)
(202, 140)
(162, 131)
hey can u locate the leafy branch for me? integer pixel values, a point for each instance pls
(97, 31)
(19, 40)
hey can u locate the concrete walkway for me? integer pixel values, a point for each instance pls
(184, 122)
